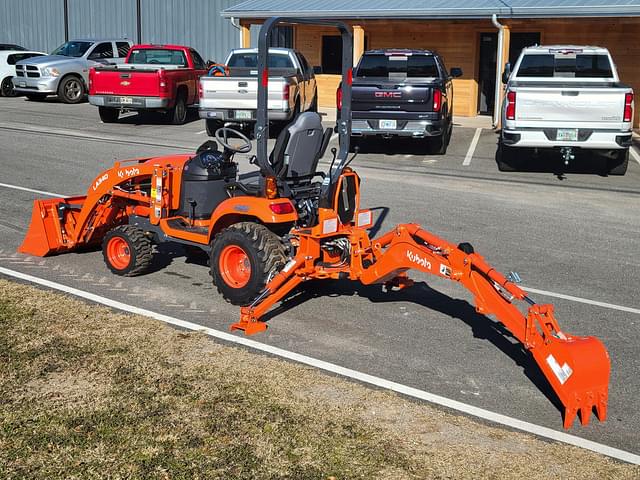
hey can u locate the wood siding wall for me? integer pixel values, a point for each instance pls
(458, 43)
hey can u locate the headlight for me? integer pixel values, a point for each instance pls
(51, 72)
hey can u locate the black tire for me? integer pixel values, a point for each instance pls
(438, 145)
(137, 247)
(505, 158)
(619, 164)
(36, 97)
(264, 252)
(108, 115)
(71, 90)
(6, 89)
(212, 125)
(178, 114)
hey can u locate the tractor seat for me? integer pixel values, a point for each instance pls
(296, 153)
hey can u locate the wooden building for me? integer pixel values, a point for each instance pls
(469, 34)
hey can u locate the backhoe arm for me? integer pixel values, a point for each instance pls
(576, 367)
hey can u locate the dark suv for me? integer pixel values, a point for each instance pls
(402, 93)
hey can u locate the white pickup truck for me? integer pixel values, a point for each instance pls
(565, 98)
(234, 98)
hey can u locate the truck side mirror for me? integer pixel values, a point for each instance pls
(456, 72)
(506, 73)
(317, 70)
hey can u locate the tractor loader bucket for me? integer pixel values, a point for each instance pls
(51, 222)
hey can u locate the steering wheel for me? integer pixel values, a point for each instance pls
(222, 136)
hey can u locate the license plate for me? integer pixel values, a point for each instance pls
(567, 134)
(388, 124)
(126, 100)
(243, 114)
(22, 84)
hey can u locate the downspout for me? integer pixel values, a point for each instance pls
(237, 27)
(499, 56)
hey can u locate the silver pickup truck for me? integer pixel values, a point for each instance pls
(292, 89)
(66, 71)
(566, 98)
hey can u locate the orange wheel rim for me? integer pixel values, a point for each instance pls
(235, 266)
(118, 253)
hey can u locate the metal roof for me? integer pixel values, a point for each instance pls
(433, 8)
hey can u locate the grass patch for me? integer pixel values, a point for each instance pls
(89, 393)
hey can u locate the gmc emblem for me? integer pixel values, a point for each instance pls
(388, 94)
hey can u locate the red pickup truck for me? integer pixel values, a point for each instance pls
(154, 77)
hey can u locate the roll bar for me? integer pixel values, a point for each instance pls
(344, 123)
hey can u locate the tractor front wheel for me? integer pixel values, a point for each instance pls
(244, 257)
(127, 251)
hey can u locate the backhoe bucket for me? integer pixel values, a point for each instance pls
(578, 370)
(51, 220)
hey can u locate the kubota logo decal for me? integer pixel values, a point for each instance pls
(129, 172)
(388, 94)
(417, 259)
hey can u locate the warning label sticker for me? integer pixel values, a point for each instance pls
(562, 372)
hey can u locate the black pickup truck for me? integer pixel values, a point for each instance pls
(402, 93)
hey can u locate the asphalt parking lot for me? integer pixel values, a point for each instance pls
(571, 232)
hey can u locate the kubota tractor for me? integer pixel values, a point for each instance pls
(286, 223)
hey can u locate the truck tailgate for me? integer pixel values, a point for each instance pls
(585, 107)
(238, 93)
(385, 96)
(134, 82)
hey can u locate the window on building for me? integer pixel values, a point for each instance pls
(332, 53)
(123, 48)
(282, 37)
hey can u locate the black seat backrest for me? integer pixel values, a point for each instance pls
(299, 147)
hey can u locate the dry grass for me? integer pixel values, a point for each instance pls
(89, 393)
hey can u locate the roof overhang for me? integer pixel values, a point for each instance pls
(441, 13)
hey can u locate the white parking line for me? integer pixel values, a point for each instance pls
(472, 148)
(345, 372)
(25, 189)
(583, 300)
(635, 154)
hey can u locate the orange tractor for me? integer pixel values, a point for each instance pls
(286, 223)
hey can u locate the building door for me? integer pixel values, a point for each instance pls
(487, 71)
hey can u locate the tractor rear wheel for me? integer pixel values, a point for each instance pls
(127, 251)
(243, 258)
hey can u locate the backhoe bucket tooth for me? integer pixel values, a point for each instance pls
(50, 223)
(578, 370)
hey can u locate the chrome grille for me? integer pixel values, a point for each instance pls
(32, 71)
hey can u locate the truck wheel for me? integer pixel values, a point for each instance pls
(505, 159)
(6, 89)
(211, 126)
(243, 258)
(618, 165)
(36, 97)
(438, 145)
(127, 251)
(179, 111)
(71, 90)
(108, 115)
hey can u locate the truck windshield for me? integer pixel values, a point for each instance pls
(565, 66)
(378, 65)
(250, 60)
(72, 49)
(160, 56)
